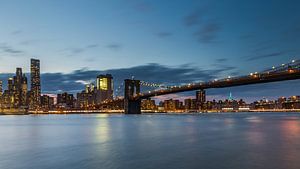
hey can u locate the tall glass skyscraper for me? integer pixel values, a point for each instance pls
(19, 88)
(35, 88)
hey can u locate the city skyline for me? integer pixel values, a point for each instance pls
(136, 84)
(101, 94)
(164, 42)
(213, 94)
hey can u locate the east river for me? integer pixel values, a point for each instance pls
(200, 141)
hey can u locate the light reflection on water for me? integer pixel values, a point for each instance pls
(243, 140)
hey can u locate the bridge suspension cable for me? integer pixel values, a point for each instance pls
(119, 90)
(294, 64)
(153, 85)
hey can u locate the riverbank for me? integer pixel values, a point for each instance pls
(65, 112)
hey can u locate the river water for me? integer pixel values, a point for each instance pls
(208, 141)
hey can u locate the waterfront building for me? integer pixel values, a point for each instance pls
(47, 102)
(172, 105)
(65, 100)
(148, 104)
(1, 88)
(190, 104)
(264, 104)
(86, 99)
(10, 85)
(35, 87)
(104, 84)
(200, 99)
(19, 89)
(292, 102)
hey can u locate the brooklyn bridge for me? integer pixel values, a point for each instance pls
(133, 95)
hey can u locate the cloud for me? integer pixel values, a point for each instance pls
(71, 51)
(92, 46)
(114, 46)
(207, 33)
(193, 18)
(16, 32)
(10, 50)
(164, 34)
(221, 60)
(74, 82)
(205, 29)
(142, 6)
(274, 54)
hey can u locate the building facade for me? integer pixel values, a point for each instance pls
(104, 86)
(35, 87)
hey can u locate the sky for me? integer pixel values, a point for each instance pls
(162, 41)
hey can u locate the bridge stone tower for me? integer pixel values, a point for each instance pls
(132, 105)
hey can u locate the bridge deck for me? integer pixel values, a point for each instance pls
(267, 77)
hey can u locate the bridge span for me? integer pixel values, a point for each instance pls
(133, 96)
(254, 78)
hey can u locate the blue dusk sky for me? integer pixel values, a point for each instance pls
(163, 41)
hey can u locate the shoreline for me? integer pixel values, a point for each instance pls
(148, 112)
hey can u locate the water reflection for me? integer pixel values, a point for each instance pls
(213, 141)
(102, 128)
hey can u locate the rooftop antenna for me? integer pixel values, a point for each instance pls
(230, 96)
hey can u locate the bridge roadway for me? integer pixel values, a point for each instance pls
(256, 78)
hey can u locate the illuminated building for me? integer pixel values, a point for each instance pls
(65, 100)
(190, 104)
(24, 91)
(86, 99)
(1, 88)
(89, 88)
(7, 97)
(47, 102)
(10, 85)
(19, 89)
(172, 105)
(292, 102)
(104, 84)
(264, 104)
(35, 91)
(200, 99)
(148, 104)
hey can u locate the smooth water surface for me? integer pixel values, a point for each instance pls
(208, 141)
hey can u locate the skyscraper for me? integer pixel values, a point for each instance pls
(200, 98)
(19, 88)
(1, 88)
(104, 87)
(24, 91)
(10, 85)
(35, 88)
